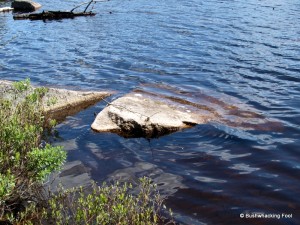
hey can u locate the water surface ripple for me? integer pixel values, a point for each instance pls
(215, 52)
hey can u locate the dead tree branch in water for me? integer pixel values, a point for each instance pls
(51, 15)
(88, 4)
(56, 15)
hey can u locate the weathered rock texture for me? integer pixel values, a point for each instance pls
(25, 5)
(142, 115)
(60, 103)
(67, 102)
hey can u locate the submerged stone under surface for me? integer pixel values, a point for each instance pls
(151, 112)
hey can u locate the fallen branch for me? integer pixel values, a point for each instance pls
(88, 4)
(51, 15)
(56, 15)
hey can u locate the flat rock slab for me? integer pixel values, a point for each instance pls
(60, 103)
(25, 5)
(142, 115)
(68, 102)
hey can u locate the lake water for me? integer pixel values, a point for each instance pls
(244, 53)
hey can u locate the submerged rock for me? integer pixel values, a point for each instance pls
(153, 111)
(25, 5)
(142, 115)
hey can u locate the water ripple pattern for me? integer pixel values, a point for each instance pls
(218, 53)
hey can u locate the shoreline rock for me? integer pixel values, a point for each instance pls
(68, 102)
(25, 5)
(60, 103)
(151, 114)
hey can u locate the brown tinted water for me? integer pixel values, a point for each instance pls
(238, 61)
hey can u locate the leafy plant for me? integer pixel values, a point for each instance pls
(23, 164)
(107, 205)
(7, 183)
(22, 86)
(52, 101)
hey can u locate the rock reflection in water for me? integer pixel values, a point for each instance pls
(167, 183)
(73, 174)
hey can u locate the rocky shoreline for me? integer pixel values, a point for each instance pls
(60, 103)
(149, 114)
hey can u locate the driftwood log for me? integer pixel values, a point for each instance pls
(51, 15)
(57, 15)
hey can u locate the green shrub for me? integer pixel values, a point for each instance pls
(23, 164)
(107, 205)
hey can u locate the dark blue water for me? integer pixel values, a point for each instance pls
(241, 53)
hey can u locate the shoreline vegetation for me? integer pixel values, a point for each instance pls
(26, 162)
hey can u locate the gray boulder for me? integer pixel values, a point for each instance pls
(141, 115)
(25, 5)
